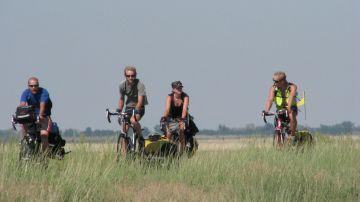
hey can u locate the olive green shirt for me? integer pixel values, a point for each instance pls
(131, 92)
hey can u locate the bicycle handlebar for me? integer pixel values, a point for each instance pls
(265, 114)
(110, 113)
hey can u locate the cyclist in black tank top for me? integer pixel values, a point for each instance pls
(177, 109)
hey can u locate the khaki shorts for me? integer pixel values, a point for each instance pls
(170, 127)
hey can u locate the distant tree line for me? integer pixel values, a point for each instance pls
(345, 127)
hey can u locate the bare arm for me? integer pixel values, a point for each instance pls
(140, 102)
(167, 106)
(270, 99)
(121, 103)
(293, 89)
(23, 104)
(185, 107)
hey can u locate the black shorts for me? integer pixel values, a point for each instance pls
(295, 109)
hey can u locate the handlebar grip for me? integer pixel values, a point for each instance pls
(264, 116)
(13, 123)
(108, 115)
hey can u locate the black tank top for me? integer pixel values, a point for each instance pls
(176, 111)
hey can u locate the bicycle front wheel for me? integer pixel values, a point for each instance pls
(122, 145)
(278, 140)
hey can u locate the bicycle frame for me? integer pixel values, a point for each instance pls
(31, 142)
(125, 125)
(281, 123)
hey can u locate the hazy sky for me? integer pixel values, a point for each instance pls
(225, 52)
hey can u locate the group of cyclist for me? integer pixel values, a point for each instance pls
(133, 100)
(177, 104)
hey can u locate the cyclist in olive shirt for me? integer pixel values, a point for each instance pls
(134, 91)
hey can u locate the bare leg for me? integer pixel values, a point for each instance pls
(45, 140)
(168, 136)
(135, 122)
(167, 132)
(182, 136)
(123, 143)
(293, 122)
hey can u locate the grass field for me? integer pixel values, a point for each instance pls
(246, 169)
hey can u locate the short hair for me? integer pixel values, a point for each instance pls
(130, 68)
(279, 75)
(33, 78)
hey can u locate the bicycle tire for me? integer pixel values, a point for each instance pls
(121, 146)
(29, 151)
(278, 140)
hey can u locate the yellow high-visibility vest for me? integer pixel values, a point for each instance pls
(282, 102)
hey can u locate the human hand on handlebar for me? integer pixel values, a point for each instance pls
(163, 119)
(136, 111)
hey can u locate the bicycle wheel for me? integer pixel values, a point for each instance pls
(133, 141)
(278, 140)
(25, 151)
(121, 146)
(29, 150)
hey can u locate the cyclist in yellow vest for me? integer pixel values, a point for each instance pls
(283, 94)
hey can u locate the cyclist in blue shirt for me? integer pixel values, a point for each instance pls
(39, 98)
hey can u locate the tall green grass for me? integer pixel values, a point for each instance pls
(328, 172)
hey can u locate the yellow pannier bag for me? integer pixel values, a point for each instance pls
(304, 137)
(155, 144)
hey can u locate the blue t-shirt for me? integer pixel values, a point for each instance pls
(34, 100)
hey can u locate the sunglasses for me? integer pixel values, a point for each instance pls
(277, 81)
(130, 76)
(34, 86)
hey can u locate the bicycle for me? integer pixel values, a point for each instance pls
(282, 135)
(281, 130)
(30, 142)
(127, 143)
(191, 144)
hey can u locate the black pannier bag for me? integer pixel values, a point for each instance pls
(191, 129)
(54, 137)
(25, 114)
